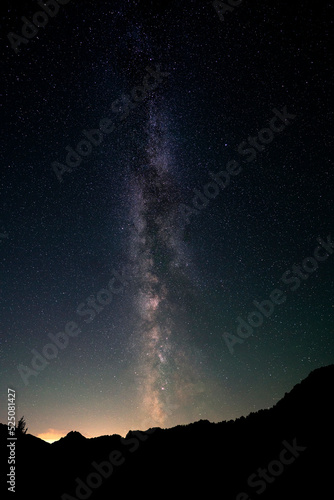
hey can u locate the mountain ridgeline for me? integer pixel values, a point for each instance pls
(282, 452)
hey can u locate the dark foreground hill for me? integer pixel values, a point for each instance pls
(281, 453)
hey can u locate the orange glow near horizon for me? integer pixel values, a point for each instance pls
(52, 435)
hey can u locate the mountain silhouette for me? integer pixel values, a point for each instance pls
(73, 438)
(276, 453)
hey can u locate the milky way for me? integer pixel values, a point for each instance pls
(156, 355)
(165, 375)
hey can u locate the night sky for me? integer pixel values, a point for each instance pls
(166, 170)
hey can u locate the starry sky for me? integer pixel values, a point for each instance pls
(166, 210)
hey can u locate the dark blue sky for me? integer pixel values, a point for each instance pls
(155, 352)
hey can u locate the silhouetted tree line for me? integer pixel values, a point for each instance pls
(275, 453)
